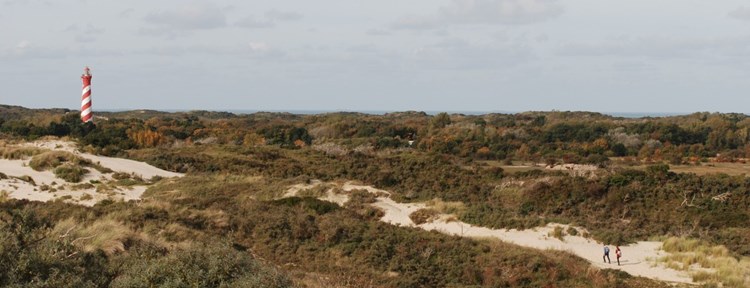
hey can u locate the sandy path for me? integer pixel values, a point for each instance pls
(637, 258)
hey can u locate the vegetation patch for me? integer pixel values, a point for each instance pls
(26, 178)
(16, 153)
(446, 207)
(557, 232)
(320, 207)
(52, 159)
(424, 215)
(70, 172)
(723, 269)
(4, 196)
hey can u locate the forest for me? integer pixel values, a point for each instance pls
(224, 214)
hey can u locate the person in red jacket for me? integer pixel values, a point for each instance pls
(618, 252)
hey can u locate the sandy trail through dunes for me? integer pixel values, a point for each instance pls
(638, 258)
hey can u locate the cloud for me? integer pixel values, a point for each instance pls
(126, 13)
(741, 13)
(458, 54)
(487, 12)
(269, 21)
(377, 32)
(731, 51)
(27, 50)
(85, 34)
(189, 17)
(252, 22)
(258, 50)
(259, 46)
(277, 15)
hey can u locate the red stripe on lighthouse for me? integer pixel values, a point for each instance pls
(86, 114)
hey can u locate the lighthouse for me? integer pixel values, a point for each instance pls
(86, 115)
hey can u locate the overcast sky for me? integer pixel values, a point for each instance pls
(394, 55)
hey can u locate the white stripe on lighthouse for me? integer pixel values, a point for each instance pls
(86, 90)
(86, 112)
(85, 101)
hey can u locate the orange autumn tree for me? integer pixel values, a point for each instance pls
(147, 138)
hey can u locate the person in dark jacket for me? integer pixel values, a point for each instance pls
(606, 255)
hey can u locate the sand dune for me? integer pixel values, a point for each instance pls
(47, 187)
(638, 258)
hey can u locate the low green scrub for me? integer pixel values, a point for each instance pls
(70, 172)
(38, 251)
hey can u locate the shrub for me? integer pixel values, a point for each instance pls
(572, 231)
(70, 173)
(557, 232)
(422, 216)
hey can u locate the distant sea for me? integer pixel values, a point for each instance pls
(381, 112)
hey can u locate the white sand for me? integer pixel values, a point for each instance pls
(141, 169)
(638, 259)
(19, 189)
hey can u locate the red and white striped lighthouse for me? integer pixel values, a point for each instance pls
(86, 115)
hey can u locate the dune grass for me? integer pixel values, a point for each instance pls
(446, 207)
(52, 159)
(106, 235)
(70, 172)
(719, 266)
(15, 153)
(558, 232)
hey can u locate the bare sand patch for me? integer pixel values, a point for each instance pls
(93, 187)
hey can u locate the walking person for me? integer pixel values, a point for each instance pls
(618, 253)
(606, 255)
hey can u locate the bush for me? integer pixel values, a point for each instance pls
(70, 173)
(557, 232)
(422, 216)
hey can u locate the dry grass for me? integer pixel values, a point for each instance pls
(4, 196)
(422, 216)
(26, 178)
(106, 235)
(558, 233)
(712, 168)
(455, 208)
(316, 191)
(720, 267)
(52, 159)
(15, 153)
